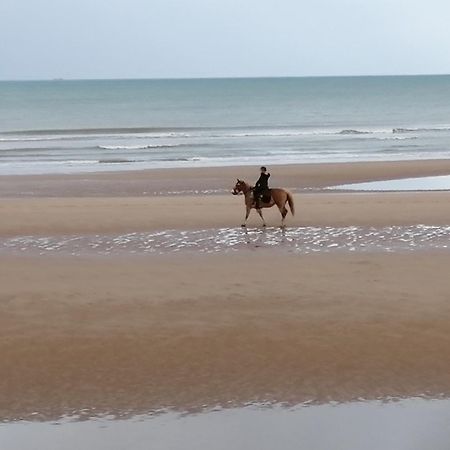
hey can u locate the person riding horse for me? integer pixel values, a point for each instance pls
(278, 197)
(261, 187)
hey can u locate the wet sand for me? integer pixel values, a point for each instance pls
(299, 240)
(128, 335)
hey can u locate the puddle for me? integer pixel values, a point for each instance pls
(302, 240)
(441, 183)
(397, 425)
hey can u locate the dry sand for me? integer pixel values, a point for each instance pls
(130, 335)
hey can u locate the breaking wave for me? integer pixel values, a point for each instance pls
(137, 147)
(354, 132)
(418, 130)
(117, 161)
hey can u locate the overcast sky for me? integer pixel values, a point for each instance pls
(41, 39)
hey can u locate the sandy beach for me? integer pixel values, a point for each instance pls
(178, 199)
(129, 335)
(212, 180)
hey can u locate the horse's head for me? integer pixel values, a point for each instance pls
(240, 187)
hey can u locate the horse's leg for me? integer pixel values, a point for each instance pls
(283, 212)
(280, 201)
(262, 218)
(247, 213)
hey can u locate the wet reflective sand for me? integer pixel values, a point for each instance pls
(301, 239)
(401, 425)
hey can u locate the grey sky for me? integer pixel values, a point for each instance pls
(215, 38)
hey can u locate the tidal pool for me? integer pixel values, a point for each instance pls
(410, 424)
(440, 183)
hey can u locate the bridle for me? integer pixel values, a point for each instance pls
(235, 191)
(238, 188)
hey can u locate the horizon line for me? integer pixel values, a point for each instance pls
(222, 77)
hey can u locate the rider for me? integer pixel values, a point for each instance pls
(261, 186)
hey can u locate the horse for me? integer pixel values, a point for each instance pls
(278, 197)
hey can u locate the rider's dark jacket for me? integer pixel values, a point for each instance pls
(263, 183)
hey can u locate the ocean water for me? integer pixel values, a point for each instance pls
(80, 126)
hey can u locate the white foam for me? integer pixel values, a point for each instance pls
(137, 147)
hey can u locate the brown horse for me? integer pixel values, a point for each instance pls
(278, 197)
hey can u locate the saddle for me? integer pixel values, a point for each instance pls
(266, 196)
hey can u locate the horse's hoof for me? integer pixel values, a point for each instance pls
(264, 225)
(243, 225)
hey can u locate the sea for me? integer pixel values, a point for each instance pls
(69, 126)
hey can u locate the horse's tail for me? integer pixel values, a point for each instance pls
(290, 200)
